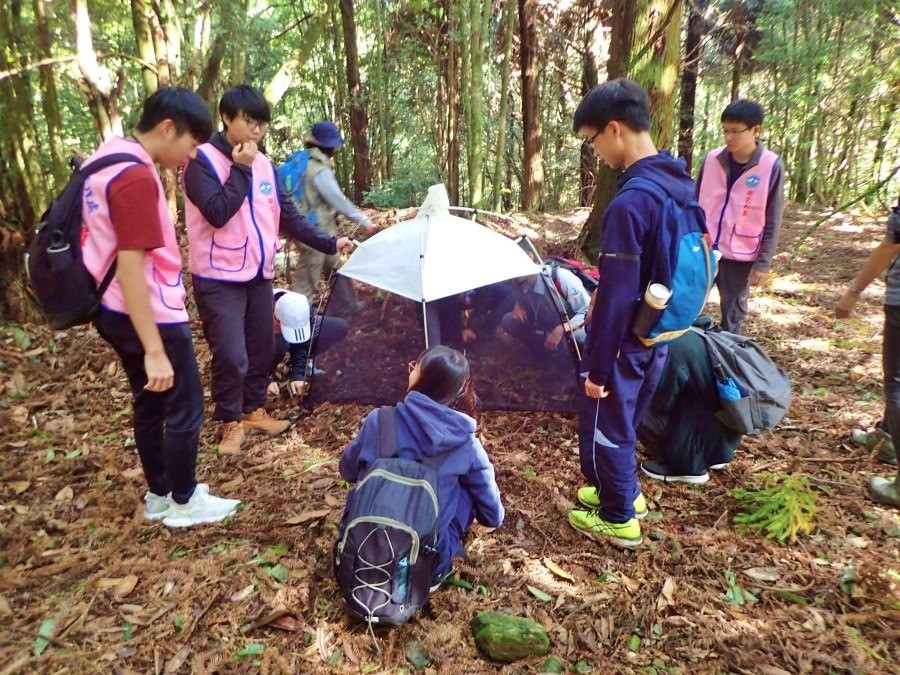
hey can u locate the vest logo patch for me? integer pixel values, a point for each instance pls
(752, 180)
(265, 187)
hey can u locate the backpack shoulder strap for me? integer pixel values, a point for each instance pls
(388, 444)
(93, 167)
(645, 185)
(387, 431)
(108, 161)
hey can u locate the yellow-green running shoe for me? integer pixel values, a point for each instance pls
(589, 496)
(589, 523)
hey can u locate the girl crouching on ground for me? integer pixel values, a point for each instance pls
(437, 418)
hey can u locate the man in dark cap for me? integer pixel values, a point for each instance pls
(323, 199)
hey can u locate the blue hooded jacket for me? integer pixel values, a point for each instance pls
(427, 428)
(626, 264)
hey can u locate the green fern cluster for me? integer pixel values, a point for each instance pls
(781, 508)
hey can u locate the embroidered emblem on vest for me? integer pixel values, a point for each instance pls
(752, 181)
(266, 187)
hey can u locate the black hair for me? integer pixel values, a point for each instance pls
(618, 100)
(328, 152)
(245, 99)
(743, 110)
(445, 377)
(185, 108)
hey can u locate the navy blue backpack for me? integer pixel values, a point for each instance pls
(66, 291)
(687, 268)
(387, 548)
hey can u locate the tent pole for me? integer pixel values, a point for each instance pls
(422, 276)
(425, 323)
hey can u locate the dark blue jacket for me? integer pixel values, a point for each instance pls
(218, 203)
(627, 260)
(426, 428)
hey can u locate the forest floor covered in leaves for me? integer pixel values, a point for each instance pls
(86, 586)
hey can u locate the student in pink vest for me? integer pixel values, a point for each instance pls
(126, 223)
(741, 188)
(234, 213)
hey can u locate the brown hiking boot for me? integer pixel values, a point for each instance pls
(260, 421)
(232, 438)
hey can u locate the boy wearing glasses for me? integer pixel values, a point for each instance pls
(741, 189)
(619, 372)
(234, 213)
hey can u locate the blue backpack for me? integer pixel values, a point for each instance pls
(685, 264)
(292, 179)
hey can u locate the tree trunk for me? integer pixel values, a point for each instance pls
(96, 81)
(210, 78)
(531, 111)
(463, 34)
(161, 53)
(172, 34)
(479, 17)
(23, 188)
(358, 121)
(237, 43)
(453, 103)
(289, 72)
(689, 83)
(20, 125)
(200, 43)
(509, 23)
(49, 99)
(143, 35)
(342, 160)
(644, 46)
(587, 167)
(736, 71)
(439, 55)
(381, 94)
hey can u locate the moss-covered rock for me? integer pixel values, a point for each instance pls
(553, 664)
(507, 638)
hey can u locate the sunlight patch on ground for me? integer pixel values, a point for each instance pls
(812, 344)
(780, 312)
(792, 283)
(851, 227)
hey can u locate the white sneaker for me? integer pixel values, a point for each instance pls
(201, 508)
(155, 506)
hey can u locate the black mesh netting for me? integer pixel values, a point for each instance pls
(387, 331)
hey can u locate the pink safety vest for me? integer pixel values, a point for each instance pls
(249, 240)
(162, 266)
(736, 218)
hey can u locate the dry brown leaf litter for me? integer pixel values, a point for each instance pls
(125, 596)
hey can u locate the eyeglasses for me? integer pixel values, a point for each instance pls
(734, 132)
(590, 141)
(412, 365)
(254, 125)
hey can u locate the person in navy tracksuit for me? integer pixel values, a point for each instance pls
(619, 373)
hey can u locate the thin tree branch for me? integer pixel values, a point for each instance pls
(4, 74)
(294, 25)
